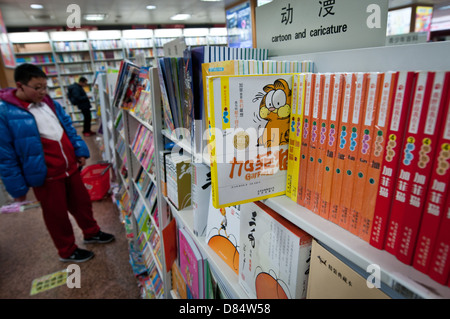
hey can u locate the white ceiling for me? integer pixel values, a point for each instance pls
(17, 13)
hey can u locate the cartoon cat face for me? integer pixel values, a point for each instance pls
(277, 100)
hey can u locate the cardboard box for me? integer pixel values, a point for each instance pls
(178, 173)
(330, 278)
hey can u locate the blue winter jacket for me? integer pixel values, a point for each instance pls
(22, 163)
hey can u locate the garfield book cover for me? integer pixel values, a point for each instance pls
(248, 127)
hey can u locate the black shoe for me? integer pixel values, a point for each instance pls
(100, 238)
(79, 256)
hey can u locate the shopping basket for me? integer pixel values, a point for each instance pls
(96, 179)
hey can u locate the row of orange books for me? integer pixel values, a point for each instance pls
(369, 152)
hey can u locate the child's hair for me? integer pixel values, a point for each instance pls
(82, 79)
(26, 71)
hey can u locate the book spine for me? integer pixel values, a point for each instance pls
(372, 100)
(391, 159)
(314, 140)
(424, 128)
(292, 131)
(380, 137)
(440, 260)
(341, 149)
(331, 144)
(321, 145)
(306, 133)
(357, 109)
(438, 188)
(297, 127)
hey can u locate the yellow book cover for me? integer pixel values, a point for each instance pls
(354, 138)
(336, 94)
(306, 133)
(372, 100)
(249, 135)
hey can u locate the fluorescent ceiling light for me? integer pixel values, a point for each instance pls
(444, 8)
(150, 7)
(36, 6)
(94, 17)
(181, 16)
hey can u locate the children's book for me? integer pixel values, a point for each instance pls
(348, 92)
(274, 255)
(371, 109)
(379, 140)
(391, 157)
(249, 125)
(295, 137)
(222, 234)
(308, 101)
(438, 191)
(354, 137)
(336, 94)
(191, 264)
(415, 167)
(316, 112)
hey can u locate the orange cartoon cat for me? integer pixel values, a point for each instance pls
(275, 108)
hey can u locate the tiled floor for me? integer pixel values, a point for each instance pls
(27, 252)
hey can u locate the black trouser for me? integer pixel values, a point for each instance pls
(87, 117)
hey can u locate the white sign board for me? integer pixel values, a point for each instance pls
(287, 27)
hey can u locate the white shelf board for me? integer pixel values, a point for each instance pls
(227, 276)
(361, 253)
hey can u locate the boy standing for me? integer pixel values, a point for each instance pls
(40, 148)
(78, 97)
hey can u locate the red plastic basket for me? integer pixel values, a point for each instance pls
(96, 179)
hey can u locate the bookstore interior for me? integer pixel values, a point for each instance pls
(332, 185)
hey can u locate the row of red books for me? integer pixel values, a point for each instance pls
(374, 158)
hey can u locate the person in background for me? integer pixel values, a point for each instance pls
(40, 148)
(77, 96)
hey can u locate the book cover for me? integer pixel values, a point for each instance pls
(249, 127)
(371, 109)
(377, 150)
(438, 185)
(415, 167)
(191, 264)
(316, 112)
(348, 92)
(178, 174)
(274, 255)
(336, 94)
(391, 158)
(308, 102)
(222, 234)
(354, 135)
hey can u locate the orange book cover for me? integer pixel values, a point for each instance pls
(306, 133)
(388, 85)
(344, 143)
(328, 82)
(314, 140)
(336, 93)
(354, 134)
(372, 101)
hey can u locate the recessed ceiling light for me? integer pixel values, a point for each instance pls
(181, 16)
(150, 7)
(94, 17)
(36, 6)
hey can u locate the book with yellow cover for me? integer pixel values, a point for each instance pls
(248, 122)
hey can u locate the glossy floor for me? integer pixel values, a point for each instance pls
(27, 252)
